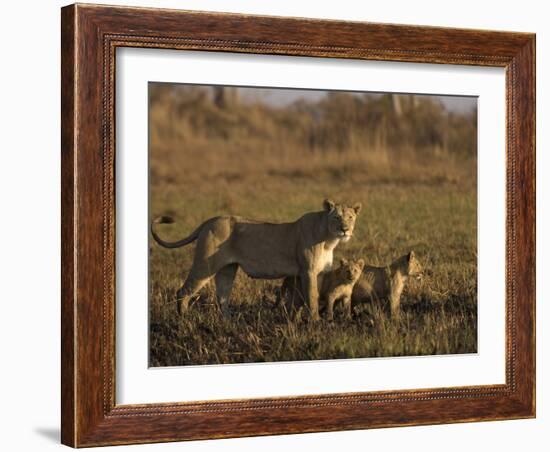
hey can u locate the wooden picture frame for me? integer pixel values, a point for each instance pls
(90, 36)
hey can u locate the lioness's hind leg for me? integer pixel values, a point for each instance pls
(191, 286)
(291, 296)
(224, 283)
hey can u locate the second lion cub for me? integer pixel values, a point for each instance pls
(387, 283)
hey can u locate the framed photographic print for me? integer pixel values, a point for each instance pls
(282, 225)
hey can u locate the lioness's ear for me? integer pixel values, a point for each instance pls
(361, 263)
(328, 205)
(343, 261)
(410, 255)
(357, 207)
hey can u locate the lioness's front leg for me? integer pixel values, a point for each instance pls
(309, 287)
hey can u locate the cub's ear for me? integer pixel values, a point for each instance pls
(361, 263)
(357, 207)
(328, 205)
(410, 255)
(343, 261)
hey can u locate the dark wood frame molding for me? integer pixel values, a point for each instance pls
(90, 35)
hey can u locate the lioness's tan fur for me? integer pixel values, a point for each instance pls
(264, 250)
(386, 283)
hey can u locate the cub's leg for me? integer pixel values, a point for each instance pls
(331, 299)
(224, 283)
(347, 306)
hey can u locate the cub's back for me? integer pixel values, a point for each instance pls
(373, 284)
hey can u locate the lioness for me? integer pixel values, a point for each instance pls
(386, 283)
(263, 250)
(337, 284)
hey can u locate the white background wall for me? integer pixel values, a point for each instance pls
(29, 251)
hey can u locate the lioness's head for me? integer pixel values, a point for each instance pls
(351, 271)
(413, 267)
(341, 218)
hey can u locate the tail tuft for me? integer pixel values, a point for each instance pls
(164, 220)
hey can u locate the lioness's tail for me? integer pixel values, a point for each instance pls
(182, 242)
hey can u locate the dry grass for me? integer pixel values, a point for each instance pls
(413, 200)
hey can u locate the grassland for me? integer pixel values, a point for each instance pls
(412, 201)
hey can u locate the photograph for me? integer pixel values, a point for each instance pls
(295, 224)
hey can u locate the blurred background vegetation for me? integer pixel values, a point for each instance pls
(337, 121)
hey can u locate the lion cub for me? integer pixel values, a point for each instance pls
(387, 283)
(337, 284)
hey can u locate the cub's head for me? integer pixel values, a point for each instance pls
(351, 271)
(413, 267)
(341, 218)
